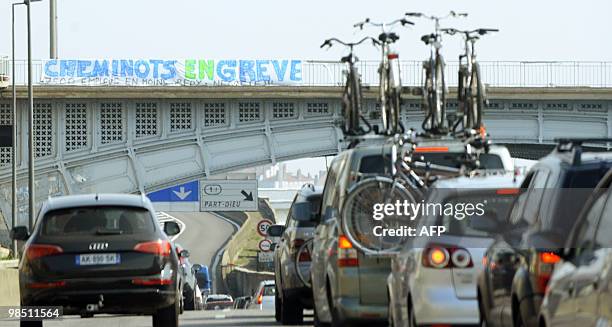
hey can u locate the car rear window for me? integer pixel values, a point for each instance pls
(316, 206)
(269, 290)
(497, 206)
(103, 220)
(373, 164)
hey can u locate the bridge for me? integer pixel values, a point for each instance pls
(105, 138)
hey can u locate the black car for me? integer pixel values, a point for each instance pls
(518, 265)
(100, 253)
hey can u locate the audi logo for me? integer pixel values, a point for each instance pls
(98, 246)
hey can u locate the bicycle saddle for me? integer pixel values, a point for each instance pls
(428, 38)
(388, 37)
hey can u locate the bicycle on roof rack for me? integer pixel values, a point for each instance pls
(390, 84)
(352, 96)
(409, 181)
(434, 87)
(471, 93)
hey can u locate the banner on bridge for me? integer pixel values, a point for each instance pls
(159, 72)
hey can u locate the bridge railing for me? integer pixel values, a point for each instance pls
(494, 73)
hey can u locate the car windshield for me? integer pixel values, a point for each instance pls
(212, 299)
(495, 206)
(452, 159)
(103, 220)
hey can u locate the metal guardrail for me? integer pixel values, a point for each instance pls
(494, 73)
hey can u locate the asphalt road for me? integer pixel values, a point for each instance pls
(231, 318)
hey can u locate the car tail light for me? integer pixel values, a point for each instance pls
(159, 248)
(443, 256)
(151, 281)
(260, 296)
(545, 262)
(347, 255)
(304, 256)
(428, 149)
(393, 56)
(46, 285)
(507, 191)
(35, 251)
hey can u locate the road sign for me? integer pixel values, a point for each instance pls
(263, 257)
(265, 245)
(263, 225)
(188, 192)
(228, 195)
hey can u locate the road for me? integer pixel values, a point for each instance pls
(231, 318)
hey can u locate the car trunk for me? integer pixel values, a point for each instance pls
(465, 279)
(76, 259)
(373, 272)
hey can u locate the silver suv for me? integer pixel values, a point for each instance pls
(294, 295)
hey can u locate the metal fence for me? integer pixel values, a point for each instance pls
(494, 73)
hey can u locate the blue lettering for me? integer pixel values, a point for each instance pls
(169, 65)
(48, 70)
(100, 68)
(67, 67)
(280, 70)
(115, 64)
(127, 68)
(247, 68)
(296, 71)
(262, 70)
(156, 63)
(229, 74)
(138, 71)
(83, 65)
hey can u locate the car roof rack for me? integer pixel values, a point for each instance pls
(574, 146)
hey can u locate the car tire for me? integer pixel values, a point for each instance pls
(292, 312)
(411, 317)
(277, 307)
(167, 317)
(190, 301)
(335, 321)
(31, 323)
(316, 321)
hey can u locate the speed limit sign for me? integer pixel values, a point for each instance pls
(265, 245)
(263, 225)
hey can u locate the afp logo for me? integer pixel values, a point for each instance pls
(98, 246)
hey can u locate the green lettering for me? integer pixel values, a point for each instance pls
(190, 69)
(208, 67)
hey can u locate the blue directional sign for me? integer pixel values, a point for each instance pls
(188, 192)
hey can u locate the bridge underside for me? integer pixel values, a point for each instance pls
(142, 139)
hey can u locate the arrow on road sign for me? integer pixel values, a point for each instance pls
(182, 194)
(247, 196)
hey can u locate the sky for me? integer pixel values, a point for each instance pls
(530, 30)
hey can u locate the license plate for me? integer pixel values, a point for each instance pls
(98, 259)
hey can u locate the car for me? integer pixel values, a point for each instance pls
(436, 272)
(579, 292)
(293, 295)
(100, 253)
(189, 279)
(203, 278)
(520, 262)
(218, 302)
(242, 302)
(264, 297)
(348, 286)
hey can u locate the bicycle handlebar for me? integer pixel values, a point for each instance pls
(452, 13)
(328, 42)
(467, 33)
(403, 21)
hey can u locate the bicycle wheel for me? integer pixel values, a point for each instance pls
(428, 99)
(462, 114)
(362, 209)
(477, 96)
(303, 262)
(356, 99)
(439, 94)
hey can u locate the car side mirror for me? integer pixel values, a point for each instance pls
(171, 228)
(184, 254)
(197, 267)
(20, 233)
(276, 230)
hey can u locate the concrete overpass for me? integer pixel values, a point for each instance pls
(140, 139)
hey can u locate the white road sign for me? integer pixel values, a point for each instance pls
(265, 257)
(228, 195)
(265, 245)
